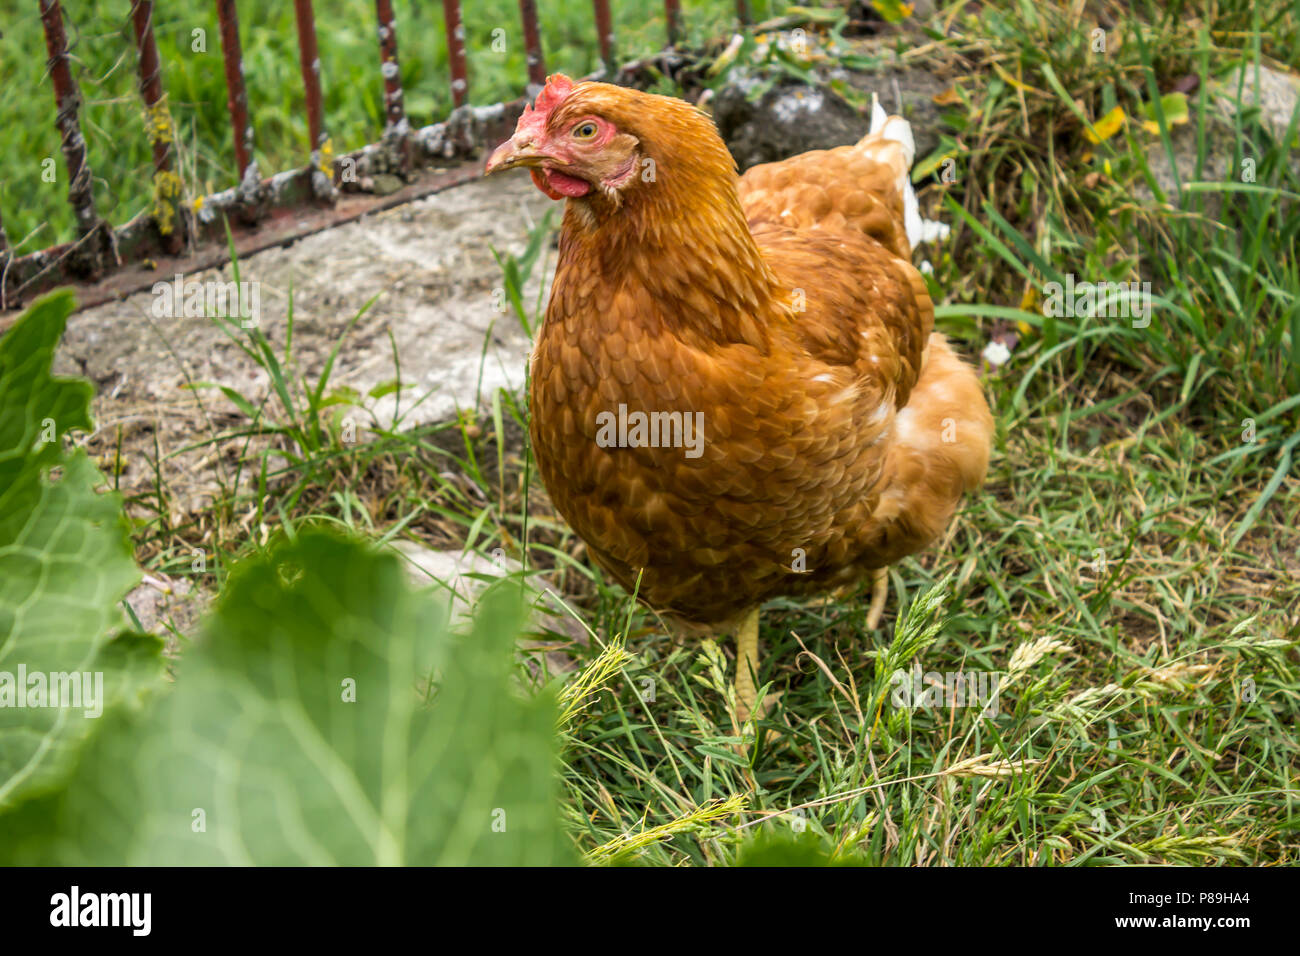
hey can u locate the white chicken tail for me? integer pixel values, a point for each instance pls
(899, 130)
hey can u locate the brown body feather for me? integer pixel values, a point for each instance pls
(838, 432)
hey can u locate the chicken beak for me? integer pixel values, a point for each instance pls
(512, 154)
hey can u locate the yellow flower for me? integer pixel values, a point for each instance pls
(1106, 127)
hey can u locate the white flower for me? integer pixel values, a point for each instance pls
(996, 354)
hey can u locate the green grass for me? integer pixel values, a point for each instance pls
(1131, 568)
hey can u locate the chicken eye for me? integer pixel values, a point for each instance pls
(584, 130)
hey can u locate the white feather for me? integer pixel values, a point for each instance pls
(899, 130)
(878, 117)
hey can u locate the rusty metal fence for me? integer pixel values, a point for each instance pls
(190, 232)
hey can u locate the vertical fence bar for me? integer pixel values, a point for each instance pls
(236, 94)
(605, 27)
(533, 44)
(456, 51)
(159, 127)
(673, 15)
(742, 11)
(67, 97)
(394, 112)
(309, 56)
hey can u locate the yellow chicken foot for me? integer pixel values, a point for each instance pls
(879, 593)
(747, 703)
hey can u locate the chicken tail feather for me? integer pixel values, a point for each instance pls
(893, 128)
(898, 130)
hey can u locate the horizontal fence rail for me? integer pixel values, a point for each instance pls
(193, 228)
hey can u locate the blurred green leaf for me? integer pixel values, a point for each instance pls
(329, 717)
(794, 849)
(65, 563)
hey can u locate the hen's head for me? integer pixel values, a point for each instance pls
(597, 142)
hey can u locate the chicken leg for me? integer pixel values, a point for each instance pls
(747, 702)
(879, 594)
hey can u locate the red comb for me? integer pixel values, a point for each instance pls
(557, 87)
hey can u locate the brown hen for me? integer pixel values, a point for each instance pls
(736, 393)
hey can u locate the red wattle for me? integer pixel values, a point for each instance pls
(540, 182)
(559, 185)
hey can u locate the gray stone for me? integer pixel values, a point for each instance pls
(1275, 93)
(793, 117)
(788, 119)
